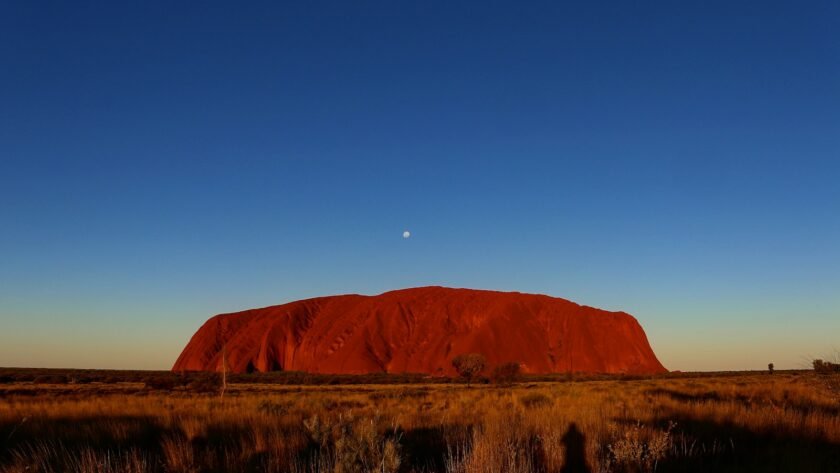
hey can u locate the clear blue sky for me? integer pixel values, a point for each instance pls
(161, 162)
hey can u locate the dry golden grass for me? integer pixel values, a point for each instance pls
(783, 422)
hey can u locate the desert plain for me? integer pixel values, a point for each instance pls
(110, 421)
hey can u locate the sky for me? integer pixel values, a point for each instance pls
(162, 162)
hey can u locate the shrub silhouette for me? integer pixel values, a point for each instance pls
(469, 365)
(825, 367)
(50, 379)
(505, 373)
(163, 383)
(208, 383)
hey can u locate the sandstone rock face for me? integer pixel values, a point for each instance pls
(420, 330)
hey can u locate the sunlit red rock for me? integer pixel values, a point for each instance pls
(420, 330)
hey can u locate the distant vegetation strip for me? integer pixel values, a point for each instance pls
(168, 379)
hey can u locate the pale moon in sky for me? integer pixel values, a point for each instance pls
(406, 234)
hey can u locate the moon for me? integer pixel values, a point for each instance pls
(406, 234)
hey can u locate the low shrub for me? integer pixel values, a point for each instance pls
(825, 367)
(50, 379)
(532, 400)
(353, 445)
(505, 373)
(211, 383)
(163, 383)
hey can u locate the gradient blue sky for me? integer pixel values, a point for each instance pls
(163, 162)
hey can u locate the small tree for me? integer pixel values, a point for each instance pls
(469, 365)
(221, 339)
(505, 373)
(770, 367)
(224, 372)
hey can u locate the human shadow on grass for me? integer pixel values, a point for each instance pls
(574, 443)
